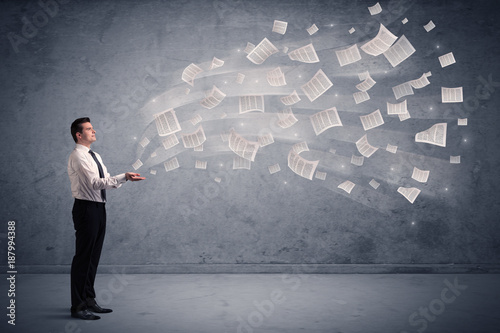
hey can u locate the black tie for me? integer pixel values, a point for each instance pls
(101, 173)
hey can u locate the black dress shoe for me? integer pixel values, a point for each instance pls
(85, 315)
(97, 309)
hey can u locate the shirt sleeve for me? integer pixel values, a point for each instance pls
(90, 175)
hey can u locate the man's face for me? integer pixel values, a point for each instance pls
(87, 136)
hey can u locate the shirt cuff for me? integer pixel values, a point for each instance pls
(121, 178)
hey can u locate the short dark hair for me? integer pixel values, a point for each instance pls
(76, 126)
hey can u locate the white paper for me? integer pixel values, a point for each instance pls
(381, 43)
(452, 95)
(137, 164)
(241, 163)
(312, 29)
(276, 78)
(171, 164)
(357, 160)
(364, 147)
(251, 103)
(391, 149)
(216, 63)
(290, 99)
(446, 59)
(429, 26)
(436, 135)
(280, 27)
(262, 51)
(372, 120)
(420, 175)
(194, 139)
(213, 99)
(242, 147)
(306, 54)
(373, 183)
(347, 186)
(167, 123)
(410, 193)
(190, 72)
(274, 168)
(399, 108)
(170, 141)
(324, 120)
(348, 56)
(400, 51)
(301, 166)
(317, 86)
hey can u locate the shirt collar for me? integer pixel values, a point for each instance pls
(82, 147)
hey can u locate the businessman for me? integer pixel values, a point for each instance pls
(89, 181)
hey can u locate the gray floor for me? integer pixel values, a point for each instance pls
(264, 303)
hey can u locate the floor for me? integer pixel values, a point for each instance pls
(263, 303)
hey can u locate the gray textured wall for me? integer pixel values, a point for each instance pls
(120, 62)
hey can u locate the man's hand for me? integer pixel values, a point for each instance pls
(133, 177)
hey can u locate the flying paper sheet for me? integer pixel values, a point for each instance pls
(167, 123)
(399, 108)
(276, 78)
(410, 193)
(429, 26)
(216, 63)
(399, 52)
(241, 163)
(194, 139)
(447, 59)
(262, 51)
(301, 166)
(306, 54)
(452, 95)
(280, 27)
(290, 99)
(391, 149)
(348, 56)
(373, 183)
(381, 43)
(436, 135)
(213, 99)
(317, 85)
(324, 120)
(144, 142)
(137, 164)
(357, 160)
(347, 186)
(241, 146)
(375, 9)
(286, 118)
(190, 73)
(274, 168)
(171, 164)
(372, 120)
(251, 103)
(170, 141)
(312, 29)
(420, 175)
(364, 147)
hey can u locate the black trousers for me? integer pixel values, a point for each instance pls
(89, 219)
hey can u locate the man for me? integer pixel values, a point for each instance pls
(89, 181)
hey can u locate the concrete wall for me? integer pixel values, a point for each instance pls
(120, 62)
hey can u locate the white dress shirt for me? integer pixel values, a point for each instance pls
(84, 175)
